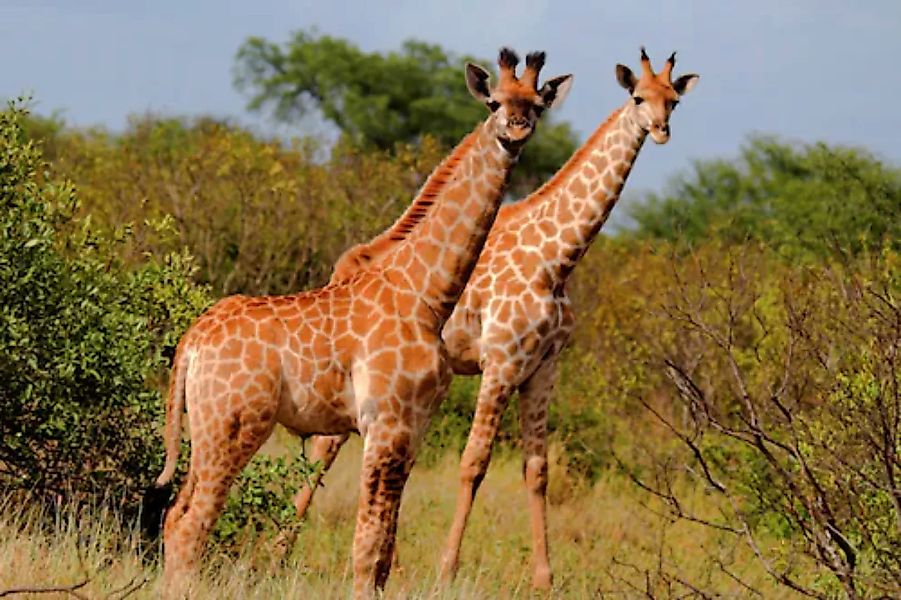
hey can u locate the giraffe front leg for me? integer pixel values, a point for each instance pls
(494, 394)
(387, 459)
(534, 399)
(325, 449)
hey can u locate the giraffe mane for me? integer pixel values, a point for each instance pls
(359, 256)
(431, 189)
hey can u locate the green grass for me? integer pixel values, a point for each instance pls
(606, 541)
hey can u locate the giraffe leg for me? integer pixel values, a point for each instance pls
(493, 397)
(325, 449)
(534, 398)
(216, 459)
(387, 460)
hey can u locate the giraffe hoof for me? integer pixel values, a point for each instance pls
(448, 570)
(542, 580)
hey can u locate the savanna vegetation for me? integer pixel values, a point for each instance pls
(727, 422)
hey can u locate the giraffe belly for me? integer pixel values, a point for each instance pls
(321, 405)
(463, 355)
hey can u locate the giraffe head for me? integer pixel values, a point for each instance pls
(655, 95)
(516, 103)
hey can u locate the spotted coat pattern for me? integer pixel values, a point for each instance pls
(514, 317)
(363, 354)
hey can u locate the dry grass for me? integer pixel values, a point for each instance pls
(604, 543)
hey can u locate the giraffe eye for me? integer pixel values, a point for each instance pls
(493, 105)
(673, 104)
(638, 100)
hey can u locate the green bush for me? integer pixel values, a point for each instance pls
(783, 402)
(450, 425)
(261, 502)
(84, 338)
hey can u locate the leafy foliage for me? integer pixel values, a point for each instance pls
(260, 218)
(700, 298)
(83, 337)
(803, 201)
(261, 503)
(781, 400)
(380, 100)
(450, 424)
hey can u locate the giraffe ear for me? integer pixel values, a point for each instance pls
(684, 84)
(554, 91)
(477, 82)
(626, 77)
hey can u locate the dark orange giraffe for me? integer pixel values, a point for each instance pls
(361, 355)
(514, 316)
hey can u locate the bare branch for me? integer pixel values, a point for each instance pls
(781, 577)
(692, 446)
(128, 589)
(672, 501)
(70, 589)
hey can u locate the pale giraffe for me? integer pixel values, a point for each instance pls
(361, 355)
(514, 316)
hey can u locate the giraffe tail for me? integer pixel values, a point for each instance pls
(175, 406)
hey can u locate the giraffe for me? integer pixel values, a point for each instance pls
(364, 354)
(515, 317)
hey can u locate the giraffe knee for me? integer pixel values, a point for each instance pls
(472, 470)
(470, 474)
(535, 472)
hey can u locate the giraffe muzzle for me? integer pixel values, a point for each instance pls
(518, 129)
(660, 133)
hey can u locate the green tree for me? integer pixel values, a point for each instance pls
(84, 338)
(379, 99)
(799, 199)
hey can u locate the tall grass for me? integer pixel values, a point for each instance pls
(606, 541)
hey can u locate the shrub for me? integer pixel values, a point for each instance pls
(261, 502)
(783, 403)
(84, 337)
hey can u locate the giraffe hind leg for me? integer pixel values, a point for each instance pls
(217, 457)
(534, 399)
(325, 449)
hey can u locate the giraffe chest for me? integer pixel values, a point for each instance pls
(519, 328)
(516, 329)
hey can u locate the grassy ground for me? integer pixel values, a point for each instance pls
(604, 543)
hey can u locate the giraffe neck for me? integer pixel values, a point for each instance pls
(436, 257)
(436, 182)
(576, 202)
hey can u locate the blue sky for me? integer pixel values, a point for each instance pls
(803, 69)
